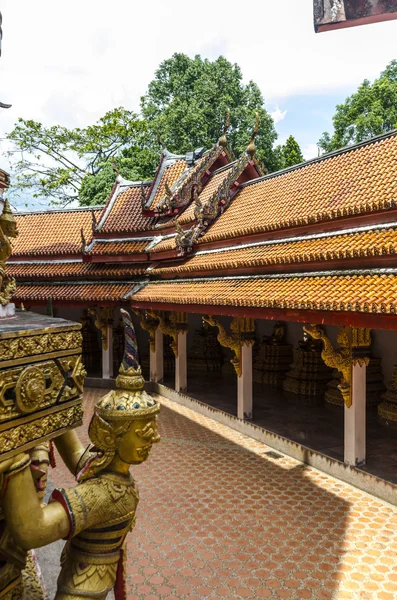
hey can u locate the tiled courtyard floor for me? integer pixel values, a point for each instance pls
(219, 519)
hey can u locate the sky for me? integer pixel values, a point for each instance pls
(69, 62)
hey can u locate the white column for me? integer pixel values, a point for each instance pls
(355, 417)
(181, 363)
(107, 355)
(157, 358)
(244, 384)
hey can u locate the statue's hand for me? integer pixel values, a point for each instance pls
(6, 465)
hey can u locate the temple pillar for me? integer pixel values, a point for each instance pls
(244, 384)
(103, 320)
(355, 418)
(157, 357)
(107, 352)
(181, 363)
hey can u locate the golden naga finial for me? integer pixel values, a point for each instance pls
(160, 141)
(83, 240)
(223, 140)
(251, 148)
(168, 191)
(114, 167)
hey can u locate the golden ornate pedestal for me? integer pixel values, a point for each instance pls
(308, 375)
(387, 410)
(375, 385)
(41, 380)
(272, 363)
(206, 352)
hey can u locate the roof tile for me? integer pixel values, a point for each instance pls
(52, 233)
(376, 293)
(362, 244)
(363, 179)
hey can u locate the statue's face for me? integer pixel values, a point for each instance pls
(136, 443)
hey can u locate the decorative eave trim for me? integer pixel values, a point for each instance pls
(91, 245)
(299, 238)
(58, 210)
(85, 282)
(167, 160)
(307, 274)
(45, 262)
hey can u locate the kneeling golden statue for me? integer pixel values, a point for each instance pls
(96, 515)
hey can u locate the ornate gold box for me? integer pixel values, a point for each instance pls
(41, 380)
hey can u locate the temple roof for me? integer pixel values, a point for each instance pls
(320, 236)
(75, 292)
(363, 242)
(123, 210)
(356, 180)
(54, 233)
(56, 270)
(359, 291)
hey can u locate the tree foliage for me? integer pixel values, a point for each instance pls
(187, 101)
(291, 153)
(370, 111)
(63, 165)
(185, 106)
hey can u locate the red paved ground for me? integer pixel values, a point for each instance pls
(220, 519)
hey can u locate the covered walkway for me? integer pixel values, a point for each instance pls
(312, 423)
(222, 516)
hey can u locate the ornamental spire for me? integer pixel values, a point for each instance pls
(251, 148)
(223, 139)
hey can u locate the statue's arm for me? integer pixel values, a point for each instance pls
(30, 524)
(70, 448)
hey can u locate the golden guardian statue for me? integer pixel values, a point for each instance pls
(96, 515)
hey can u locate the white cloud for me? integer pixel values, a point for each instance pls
(310, 151)
(278, 115)
(69, 62)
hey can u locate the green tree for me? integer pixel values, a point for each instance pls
(185, 105)
(63, 165)
(291, 153)
(370, 111)
(187, 101)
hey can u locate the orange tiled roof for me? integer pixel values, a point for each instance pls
(106, 248)
(52, 233)
(364, 291)
(170, 176)
(166, 244)
(213, 184)
(358, 180)
(364, 242)
(73, 292)
(187, 216)
(72, 270)
(123, 212)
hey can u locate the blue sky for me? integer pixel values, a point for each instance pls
(69, 63)
(307, 117)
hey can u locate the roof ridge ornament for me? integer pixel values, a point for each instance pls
(223, 139)
(251, 148)
(94, 222)
(83, 240)
(161, 142)
(143, 196)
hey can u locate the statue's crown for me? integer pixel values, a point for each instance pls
(129, 401)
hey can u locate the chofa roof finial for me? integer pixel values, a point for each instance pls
(161, 141)
(223, 139)
(251, 148)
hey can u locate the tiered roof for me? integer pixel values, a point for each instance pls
(213, 234)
